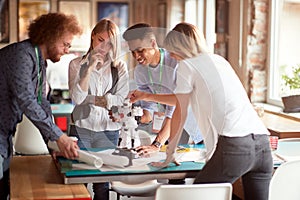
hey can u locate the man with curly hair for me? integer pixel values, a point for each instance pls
(23, 85)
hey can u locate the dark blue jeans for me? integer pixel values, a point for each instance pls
(247, 157)
(92, 139)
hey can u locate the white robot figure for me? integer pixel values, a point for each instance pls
(128, 116)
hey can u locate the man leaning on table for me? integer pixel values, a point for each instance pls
(155, 73)
(22, 86)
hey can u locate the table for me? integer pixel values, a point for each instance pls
(36, 177)
(63, 110)
(185, 170)
(281, 126)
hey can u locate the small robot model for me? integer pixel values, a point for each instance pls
(129, 116)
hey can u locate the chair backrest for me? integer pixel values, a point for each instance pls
(215, 191)
(288, 149)
(28, 139)
(285, 183)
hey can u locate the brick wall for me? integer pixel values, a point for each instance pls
(257, 50)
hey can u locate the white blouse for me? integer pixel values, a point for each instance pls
(99, 84)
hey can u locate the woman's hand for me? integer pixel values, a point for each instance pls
(171, 148)
(96, 60)
(169, 159)
(137, 95)
(100, 101)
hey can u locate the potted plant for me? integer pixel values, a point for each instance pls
(291, 82)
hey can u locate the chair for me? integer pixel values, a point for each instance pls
(285, 182)
(288, 149)
(215, 191)
(136, 186)
(144, 189)
(28, 140)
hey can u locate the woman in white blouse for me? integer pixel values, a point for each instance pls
(236, 140)
(97, 81)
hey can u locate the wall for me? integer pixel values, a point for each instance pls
(244, 40)
(257, 49)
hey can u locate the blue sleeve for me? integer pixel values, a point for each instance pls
(23, 84)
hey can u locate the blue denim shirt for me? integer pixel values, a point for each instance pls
(164, 85)
(19, 91)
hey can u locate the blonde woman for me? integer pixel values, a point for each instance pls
(97, 81)
(236, 140)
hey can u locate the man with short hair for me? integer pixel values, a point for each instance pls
(155, 73)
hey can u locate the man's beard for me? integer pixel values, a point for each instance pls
(53, 54)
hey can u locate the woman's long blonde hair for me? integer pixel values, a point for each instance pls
(106, 25)
(186, 40)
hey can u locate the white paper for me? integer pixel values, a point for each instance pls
(140, 164)
(110, 159)
(195, 155)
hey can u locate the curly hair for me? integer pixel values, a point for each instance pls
(51, 27)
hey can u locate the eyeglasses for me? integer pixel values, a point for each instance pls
(67, 45)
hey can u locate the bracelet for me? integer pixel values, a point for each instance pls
(156, 144)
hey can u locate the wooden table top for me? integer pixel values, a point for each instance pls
(281, 125)
(36, 177)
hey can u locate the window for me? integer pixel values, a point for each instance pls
(202, 14)
(284, 44)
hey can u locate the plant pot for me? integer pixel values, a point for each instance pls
(291, 103)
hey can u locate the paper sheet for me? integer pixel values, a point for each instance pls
(117, 163)
(196, 155)
(139, 164)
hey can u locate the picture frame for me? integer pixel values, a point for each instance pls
(4, 21)
(82, 11)
(28, 10)
(118, 12)
(222, 16)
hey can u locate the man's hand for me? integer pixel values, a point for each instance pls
(67, 146)
(146, 151)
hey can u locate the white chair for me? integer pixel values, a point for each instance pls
(28, 140)
(144, 189)
(135, 186)
(215, 191)
(288, 149)
(285, 182)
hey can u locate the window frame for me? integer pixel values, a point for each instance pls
(273, 52)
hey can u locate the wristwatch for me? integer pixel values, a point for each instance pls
(156, 144)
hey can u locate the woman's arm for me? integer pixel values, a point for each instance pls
(136, 95)
(177, 123)
(122, 87)
(77, 94)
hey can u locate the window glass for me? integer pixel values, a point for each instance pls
(284, 46)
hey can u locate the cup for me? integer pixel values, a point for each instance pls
(273, 142)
